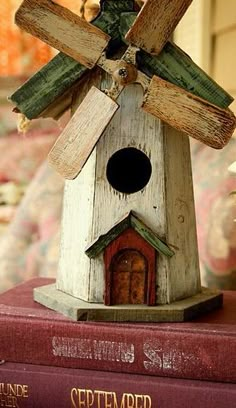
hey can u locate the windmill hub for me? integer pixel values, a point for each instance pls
(125, 73)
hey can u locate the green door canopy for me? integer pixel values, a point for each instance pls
(129, 221)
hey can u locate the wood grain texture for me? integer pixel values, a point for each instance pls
(48, 84)
(54, 79)
(175, 66)
(172, 64)
(89, 211)
(74, 265)
(189, 113)
(77, 141)
(130, 127)
(130, 270)
(92, 206)
(155, 24)
(63, 30)
(130, 220)
(169, 186)
(180, 311)
(184, 276)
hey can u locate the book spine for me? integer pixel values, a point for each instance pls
(119, 348)
(28, 386)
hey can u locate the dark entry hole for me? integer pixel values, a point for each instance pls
(129, 170)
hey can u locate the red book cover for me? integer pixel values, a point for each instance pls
(204, 349)
(28, 386)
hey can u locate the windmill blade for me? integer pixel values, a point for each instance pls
(77, 141)
(190, 114)
(155, 23)
(63, 30)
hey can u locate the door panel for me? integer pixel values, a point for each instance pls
(129, 277)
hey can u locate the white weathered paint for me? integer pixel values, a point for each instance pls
(130, 127)
(184, 276)
(92, 206)
(77, 141)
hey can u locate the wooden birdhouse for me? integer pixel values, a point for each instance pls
(128, 246)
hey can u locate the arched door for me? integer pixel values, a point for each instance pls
(129, 278)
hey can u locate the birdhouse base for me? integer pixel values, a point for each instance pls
(179, 311)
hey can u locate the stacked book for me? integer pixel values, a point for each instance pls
(49, 361)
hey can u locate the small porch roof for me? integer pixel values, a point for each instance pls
(129, 221)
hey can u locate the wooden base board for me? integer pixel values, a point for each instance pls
(76, 309)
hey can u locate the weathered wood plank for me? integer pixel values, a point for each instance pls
(130, 220)
(76, 309)
(54, 79)
(105, 239)
(77, 216)
(150, 237)
(77, 141)
(166, 205)
(130, 127)
(155, 23)
(171, 64)
(46, 85)
(63, 30)
(135, 281)
(175, 66)
(184, 276)
(190, 114)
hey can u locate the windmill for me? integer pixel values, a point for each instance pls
(135, 255)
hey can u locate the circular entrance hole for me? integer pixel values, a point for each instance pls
(129, 170)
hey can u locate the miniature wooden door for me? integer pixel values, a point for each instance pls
(129, 278)
(130, 269)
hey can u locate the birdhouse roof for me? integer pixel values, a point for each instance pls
(129, 221)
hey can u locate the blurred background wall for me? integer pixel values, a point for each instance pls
(207, 33)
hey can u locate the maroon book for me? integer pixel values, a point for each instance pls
(204, 349)
(27, 386)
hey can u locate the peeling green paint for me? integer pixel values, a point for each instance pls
(116, 17)
(131, 220)
(175, 66)
(62, 71)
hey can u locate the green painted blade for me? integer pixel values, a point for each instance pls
(61, 73)
(175, 66)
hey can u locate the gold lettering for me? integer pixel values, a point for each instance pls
(16, 390)
(115, 401)
(123, 404)
(13, 389)
(82, 402)
(138, 401)
(147, 401)
(86, 398)
(130, 400)
(108, 396)
(25, 391)
(73, 391)
(9, 401)
(99, 394)
(90, 398)
(14, 402)
(10, 392)
(21, 390)
(5, 389)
